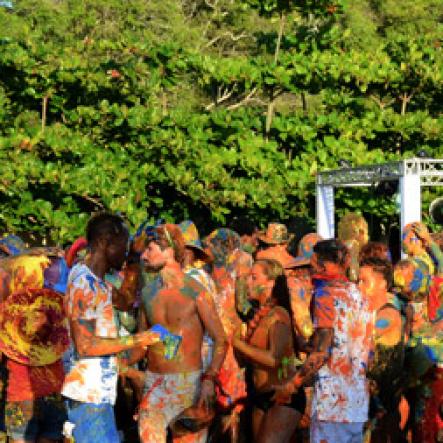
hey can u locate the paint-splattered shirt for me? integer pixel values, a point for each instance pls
(341, 391)
(92, 379)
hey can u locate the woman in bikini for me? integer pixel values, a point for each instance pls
(267, 344)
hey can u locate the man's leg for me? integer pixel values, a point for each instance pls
(93, 422)
(152, 426)
(187, 385)
(278, 425)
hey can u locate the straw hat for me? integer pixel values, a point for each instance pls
(276, 234)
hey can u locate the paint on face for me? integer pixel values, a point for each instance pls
(258, 282)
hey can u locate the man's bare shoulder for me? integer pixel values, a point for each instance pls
(192, 288)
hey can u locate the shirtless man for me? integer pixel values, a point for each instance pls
(179, 303)
(268, 345)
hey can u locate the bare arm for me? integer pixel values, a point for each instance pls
(138, 353)
(422, 232)
(321, 345)
(89, 345)
(279, 334)
(212, 324)
(322, 341)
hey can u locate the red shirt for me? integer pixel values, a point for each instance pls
(32, 382)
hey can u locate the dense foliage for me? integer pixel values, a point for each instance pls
(208, 108)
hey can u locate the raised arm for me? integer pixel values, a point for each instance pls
(422, 232)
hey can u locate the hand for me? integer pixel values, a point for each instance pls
(207, 395)
(421, 231)
(147, 338)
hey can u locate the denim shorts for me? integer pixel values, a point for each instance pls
(92, 422)
(30, 419)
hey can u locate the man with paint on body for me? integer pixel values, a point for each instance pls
(91, 383)
(424, 357)
(230, 269)
(342, 340)
(386, 371)
(195, 260)
(180, 303)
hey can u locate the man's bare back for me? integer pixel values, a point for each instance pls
(177, 309)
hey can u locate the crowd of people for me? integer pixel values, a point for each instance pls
(163, 336)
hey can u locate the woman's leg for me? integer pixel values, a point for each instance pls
(278, 425)
(257, 419)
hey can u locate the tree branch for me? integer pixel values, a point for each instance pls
(44, 111)
(233, 37)
(246, 99)
(93, 200)
(381, 104)
(222, 96)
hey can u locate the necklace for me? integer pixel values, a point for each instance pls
(263, 311)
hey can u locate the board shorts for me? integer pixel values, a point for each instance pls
(165, 396)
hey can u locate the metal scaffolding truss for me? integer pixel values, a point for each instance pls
(429, 170)
(411, 174)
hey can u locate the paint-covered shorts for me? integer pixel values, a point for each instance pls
(92, 422)
(30, 419)
(165, 396)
